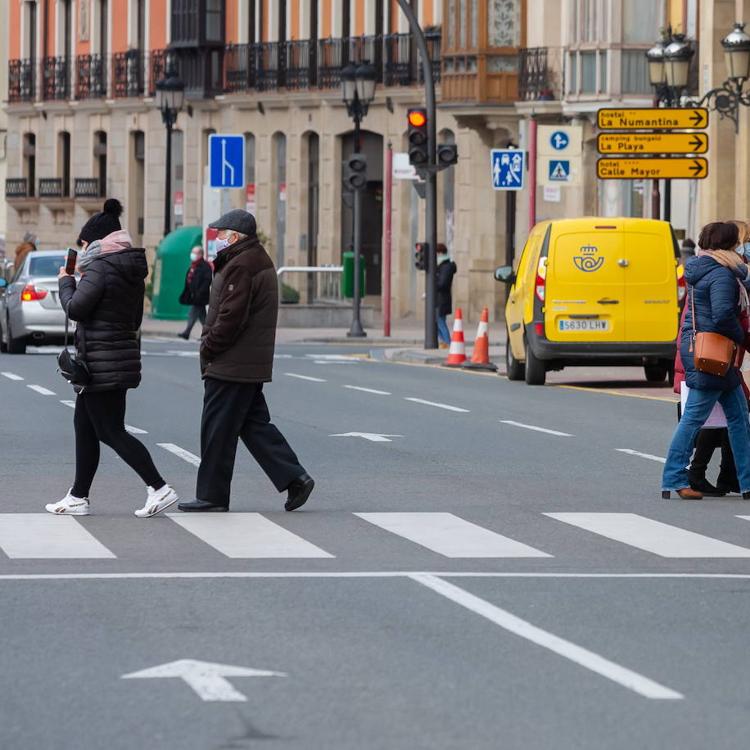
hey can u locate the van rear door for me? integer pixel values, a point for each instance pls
(650, 282)
(584, 298)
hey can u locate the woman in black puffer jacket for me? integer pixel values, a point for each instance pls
(107, 304)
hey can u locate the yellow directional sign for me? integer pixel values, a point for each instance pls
(652, 169)
(653, 118)
(652, 143)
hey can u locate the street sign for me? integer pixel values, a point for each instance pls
(226, 161)
(558, 170)
(652, 143)
(559, 140)
(652, 169)
(652, 118)
(508, 167)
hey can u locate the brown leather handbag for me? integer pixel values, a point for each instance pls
(713, 353)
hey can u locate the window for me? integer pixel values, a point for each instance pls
(67, 40)
(279, 197)
(63, 161)
(100, 160)
(215, 20)
(587, 62)
(141, 24)
(635, 78)
(103, 28)
(641, 20)
(29, 161)
(46, 265)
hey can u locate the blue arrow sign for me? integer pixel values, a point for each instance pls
(226, 161)
(559, 140)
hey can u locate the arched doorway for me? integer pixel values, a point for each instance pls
(372, 207)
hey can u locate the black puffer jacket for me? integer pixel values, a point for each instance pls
(445, 273)
(107, 303)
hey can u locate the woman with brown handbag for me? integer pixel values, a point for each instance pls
(709, 339)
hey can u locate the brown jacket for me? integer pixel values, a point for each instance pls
(240, 332)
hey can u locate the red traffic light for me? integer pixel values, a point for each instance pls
(417, 118)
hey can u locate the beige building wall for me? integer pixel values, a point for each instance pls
(4, 33)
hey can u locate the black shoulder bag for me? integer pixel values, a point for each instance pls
(73, 368)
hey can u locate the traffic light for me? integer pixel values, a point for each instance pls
(418, 153)
(447, 155)
(420, 256)
(355, 172)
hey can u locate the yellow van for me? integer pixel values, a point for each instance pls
(595, 291)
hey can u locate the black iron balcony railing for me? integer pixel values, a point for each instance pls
(21, 81)
(53, 187)
(16, 187)
(56, 78)
(240, 67)
(300, 73)
(88, 187)
(157, 63)
(128, 74)
(91, 77)
(534, 78)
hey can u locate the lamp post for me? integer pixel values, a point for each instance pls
(357, 92)
(170, 95)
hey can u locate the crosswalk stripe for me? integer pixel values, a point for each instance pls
(191, 458)
(41, 390)
(41, 535)
(11, 376)
(247, 535)
(652, 536)
(450, 536)
(436, 404)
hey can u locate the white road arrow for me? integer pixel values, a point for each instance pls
(373, 437)
(207, 679)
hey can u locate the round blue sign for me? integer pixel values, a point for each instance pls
(559, 140)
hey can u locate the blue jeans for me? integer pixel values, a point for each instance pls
(697, 409)
(443, 333)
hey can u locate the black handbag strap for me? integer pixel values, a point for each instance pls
(81, 336)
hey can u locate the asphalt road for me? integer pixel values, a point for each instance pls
(493, 567)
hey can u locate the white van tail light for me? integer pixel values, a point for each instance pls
(681, 288)
(541, 279)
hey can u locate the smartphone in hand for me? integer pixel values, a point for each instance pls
(70, 263)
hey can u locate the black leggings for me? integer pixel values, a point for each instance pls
(100, 418)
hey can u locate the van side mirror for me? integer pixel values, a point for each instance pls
(505, 275)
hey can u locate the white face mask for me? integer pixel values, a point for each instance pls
(744, 250)
(221, 243)
(443, 257)
(195, 256)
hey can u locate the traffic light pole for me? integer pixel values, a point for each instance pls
(430, 320)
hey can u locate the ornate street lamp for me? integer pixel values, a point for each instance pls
(170, 96)
(655, 57)
(357, 92)
(677, 57)
(736, 46)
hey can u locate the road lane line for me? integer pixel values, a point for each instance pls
(66, 402)
(11, 376)
(627, 678)
(247, 536)
(535, 429)
(45, 536)
(135, 430)
(450, 536)
(41, 389)
(191, 458)
(644, 533)
(304, 377)
(447, 407)
(648, 456)
(367, 390)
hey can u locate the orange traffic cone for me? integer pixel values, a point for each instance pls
(457, 351)
(480, 358)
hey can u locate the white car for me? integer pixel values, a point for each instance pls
(30, 310)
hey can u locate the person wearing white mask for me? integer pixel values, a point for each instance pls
(197, 290)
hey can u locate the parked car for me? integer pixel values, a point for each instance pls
(30, 310)
(595, 291)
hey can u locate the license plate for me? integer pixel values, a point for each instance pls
(582, 325)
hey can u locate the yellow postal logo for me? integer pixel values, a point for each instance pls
(587, 261)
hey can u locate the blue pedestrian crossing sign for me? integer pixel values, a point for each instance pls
(226, 160)
(508, 168)
(559, 170)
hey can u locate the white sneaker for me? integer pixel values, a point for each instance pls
(157, 501)
(69, 506)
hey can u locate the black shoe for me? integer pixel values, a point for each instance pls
(299, 491)
(184, 335)
(746, 495)
(202, 506)
(730, 487)
(705, 487)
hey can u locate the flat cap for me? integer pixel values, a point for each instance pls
(236, 220)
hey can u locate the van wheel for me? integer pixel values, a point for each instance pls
(536, 369)
(515, 370)
(656, 373)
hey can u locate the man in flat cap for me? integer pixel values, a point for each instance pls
(236, 358)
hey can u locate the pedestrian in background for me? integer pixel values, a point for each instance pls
(236, 359)
(446, 270)
(22, 250)
(196, 291)
(687, 250)
(714, 296)
(107, 304)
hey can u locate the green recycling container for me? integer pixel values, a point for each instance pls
(172, 263)
(347, 281)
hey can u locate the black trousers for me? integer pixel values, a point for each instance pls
(708, 441)
(232, 411)
(100, 418)
(197, 312)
